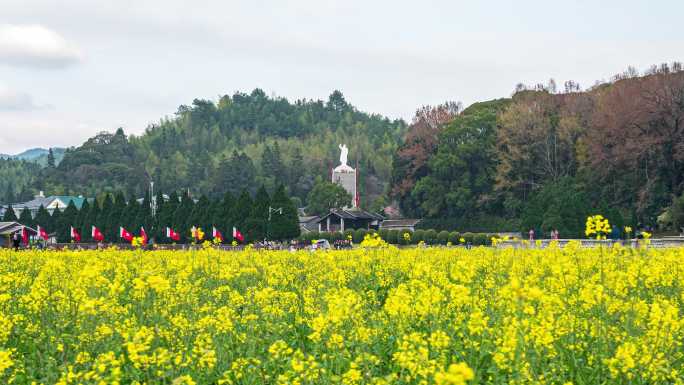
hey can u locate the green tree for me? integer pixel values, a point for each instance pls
(563, 206)
(283, 225)
(10, 215)
(296, 173)
(87, 218)
(677, 212)
(25, 218)
(51, 159)
(43, 219)
(67, 219)
(255, 225)
(461, 173)
(242, 210)
(223, 214)
(325, 196)
(115, 216)
(182, 220)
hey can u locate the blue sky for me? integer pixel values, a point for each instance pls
(70, 69)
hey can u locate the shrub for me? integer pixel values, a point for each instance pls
(481, 239)
(431, 236)
(308, 237)
(443, 237)
(359, 234)
(336, 236)
(418, 235)
(393, 237)
(454, 237)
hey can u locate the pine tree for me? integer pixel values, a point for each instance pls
(165, 215)
(297, 170)
(25, 218)
(143, 216)
(9, 194)
(223, 214)
(114, 218)
(43, 219)
(66, 221)
(201, 214)
(55, 223)
(102, 222)
(10, 215)
(286, 225)
(256, 222)
(182, 217)
(51, 159)
(241, 211)
(87, 221)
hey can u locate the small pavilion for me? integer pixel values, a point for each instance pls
(349, 219)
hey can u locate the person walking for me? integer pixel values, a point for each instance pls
(531, 233)
(16, 240)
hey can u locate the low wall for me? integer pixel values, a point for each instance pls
(664, 242)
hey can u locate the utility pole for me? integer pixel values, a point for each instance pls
(153, 200)
(271, 210)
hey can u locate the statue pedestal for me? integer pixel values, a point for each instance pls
(345, 176)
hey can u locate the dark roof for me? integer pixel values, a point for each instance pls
(305, 219)
(35, 204)
(353, 214)
(12, 227)
(400, 222)
(308, 223)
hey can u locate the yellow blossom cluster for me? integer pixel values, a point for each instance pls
(597, 226)
(371, 315)
(373, 240)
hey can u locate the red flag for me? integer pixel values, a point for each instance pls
(75, 236)
(123, 233)
(143, 234)
(42, 233)
(217, 235)
(171, 234)
(24, 236)
(238, 235)
(97, 234)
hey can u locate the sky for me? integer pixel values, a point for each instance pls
(72, 68)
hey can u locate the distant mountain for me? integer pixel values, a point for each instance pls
(37, 155)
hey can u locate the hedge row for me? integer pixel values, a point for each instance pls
(397, 237)
(478, 224)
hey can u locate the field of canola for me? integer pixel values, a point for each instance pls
(377, 316)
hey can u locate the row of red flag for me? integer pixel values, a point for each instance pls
(170, 233)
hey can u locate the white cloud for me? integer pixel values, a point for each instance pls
(12, 100)
(35, 46)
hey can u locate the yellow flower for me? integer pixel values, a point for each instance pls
(597, 225)
(6, 361)
(457, 374)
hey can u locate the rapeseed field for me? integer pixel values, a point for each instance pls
(363, 316)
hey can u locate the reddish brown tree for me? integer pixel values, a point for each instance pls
(410, 162)
(637, 138)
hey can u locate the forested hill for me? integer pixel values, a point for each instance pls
(240, 141)
(547, 158)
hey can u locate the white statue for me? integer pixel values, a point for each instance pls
(343, 154)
